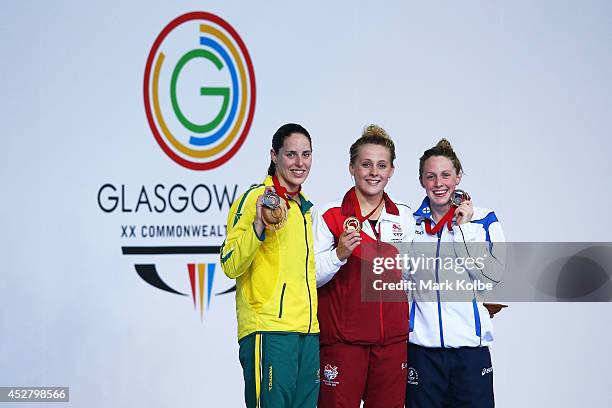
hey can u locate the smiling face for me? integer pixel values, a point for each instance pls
(440, 179)
(372, 169)
(293, 161)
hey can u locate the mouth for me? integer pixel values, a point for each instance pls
(373, 182)
(299, 173)
(440, 192)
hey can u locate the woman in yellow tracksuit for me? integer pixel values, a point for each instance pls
(276, 291)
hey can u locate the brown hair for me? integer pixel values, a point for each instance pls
(442, 148)
(373, 134)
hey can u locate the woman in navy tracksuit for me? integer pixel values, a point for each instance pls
(449, 364)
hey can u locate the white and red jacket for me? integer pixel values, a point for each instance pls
(343, 315)
(435, 321)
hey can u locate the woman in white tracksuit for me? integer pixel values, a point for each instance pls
(450, 330)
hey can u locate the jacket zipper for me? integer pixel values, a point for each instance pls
(306, 274)
(380, 302)
(438, 290)
(280, 312)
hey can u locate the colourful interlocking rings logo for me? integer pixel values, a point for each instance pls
(200, 127)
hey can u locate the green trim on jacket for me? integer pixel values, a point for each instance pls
(273, 272)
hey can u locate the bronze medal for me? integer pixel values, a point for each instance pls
(459, 197)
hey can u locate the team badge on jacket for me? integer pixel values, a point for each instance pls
(391, 232)
(330, 373)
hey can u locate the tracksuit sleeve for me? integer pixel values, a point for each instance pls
(410, 222)
(242, 242)
(484, 242)
(325, 252)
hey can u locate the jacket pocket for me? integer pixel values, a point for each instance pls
(280, 309)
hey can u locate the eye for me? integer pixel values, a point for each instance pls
(382, 166)
(429, 177)
(366, 165)
(306, 154)
(291, 154)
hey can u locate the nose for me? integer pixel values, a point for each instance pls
(299, 160)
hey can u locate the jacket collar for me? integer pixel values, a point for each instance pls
(350, 203)
(424, 210)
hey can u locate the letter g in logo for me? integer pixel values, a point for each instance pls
(224, 92)
(182, 129)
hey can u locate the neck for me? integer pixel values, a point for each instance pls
(437, 212)
(368, 203)
(289, 187)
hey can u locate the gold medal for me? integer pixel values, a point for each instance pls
(352, 224)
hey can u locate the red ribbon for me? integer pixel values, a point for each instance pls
(282, 191)
(357, 209)
(447, 219)
(360, 217)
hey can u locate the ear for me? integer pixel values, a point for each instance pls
(392, 171)
(351, 170)
(273, 156)
(421, 182)
(458, 179)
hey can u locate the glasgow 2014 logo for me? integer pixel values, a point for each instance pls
(199, 90)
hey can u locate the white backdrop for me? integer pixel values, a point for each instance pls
(522, 90)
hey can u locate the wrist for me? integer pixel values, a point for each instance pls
(336, 260)
(259, 225)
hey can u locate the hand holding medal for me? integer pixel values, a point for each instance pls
(459, 196)
(463, 203)
(351, 237)
(273, 210)
(348, 240)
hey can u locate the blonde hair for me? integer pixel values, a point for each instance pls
(372, 134)
(442, 148)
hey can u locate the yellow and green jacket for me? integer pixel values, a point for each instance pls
(276, 289)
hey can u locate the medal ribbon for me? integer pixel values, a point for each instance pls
(447, 219)
(360, 217)
(282, 191)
